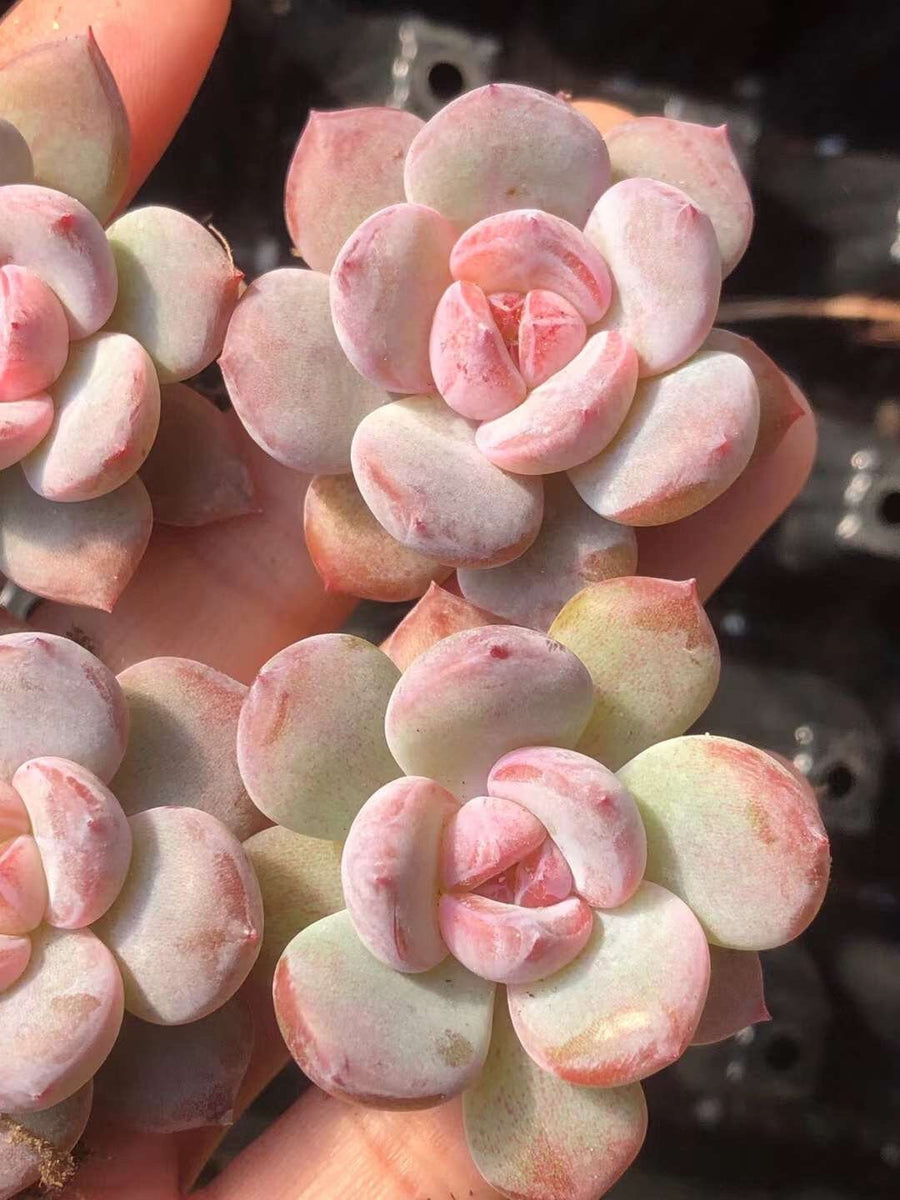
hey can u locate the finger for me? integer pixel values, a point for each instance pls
(158, 51)
(230, 594)
(708, 545)
(323, 1147)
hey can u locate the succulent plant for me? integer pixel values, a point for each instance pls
(92, 321)
(551, 890)
(502, 358)
(117, 899)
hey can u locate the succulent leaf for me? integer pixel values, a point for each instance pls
(353, 553)
(290, 382)
(695, 158)
(62, 98)
(346, 166)
(479, 694)
(104, 541)
(341, 1011)
(502, 147)
(418, 468)
(183, 721)
(749, 810)
(532, 1134)
(653, 659)
(311, 744)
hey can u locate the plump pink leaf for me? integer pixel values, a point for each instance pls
(418, 467)
(300, 881)
(543, 877)
(479, 694)
(550, 334)
(531, 1134)
(16, 165)
(187, 925)
(527, 249)
(505, 146)
(42, 1154)
(289, 380)
(61, 242)
(346, 166)
(697, 159)
(509, 944)
(23, 887)
(687, 436)
(629, 1004)
(177, 288)
(106, 414)
(59, 1021)
(58, 699)
(82, 835)
(778, 404)
(168, 1078)
(735, 998)
(385, 286)
(195, 472)
(311, 745)
(391, 872)
(183, 719)
(587, 812)
(470, 362)
(13, 815)
(487, 835)
(62, 97)
(22, 425)
(15, 951)
(665, 263)
(34, 334)
(437, 615)
(82, 553)
(365, 1032)
(575, 547)
(711, 802)
(572, 417)
(653, 659)
(353, 553)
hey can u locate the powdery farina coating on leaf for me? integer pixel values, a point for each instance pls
(82, 835)
(34, 334)
(697, 159)
(187, 925)
(310, 742)
(449, 717)
(58, 699)
(751, 810)
(105, 418)
(59, 1020)
(181, 749)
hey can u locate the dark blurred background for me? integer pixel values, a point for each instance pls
(808, 1106)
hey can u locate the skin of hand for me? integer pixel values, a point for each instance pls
(232, 595)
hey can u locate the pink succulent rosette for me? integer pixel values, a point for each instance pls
(129, 911)
(502, 358)
(92, 321)
(549, 892)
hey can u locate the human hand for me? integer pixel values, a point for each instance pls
(235, 593)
